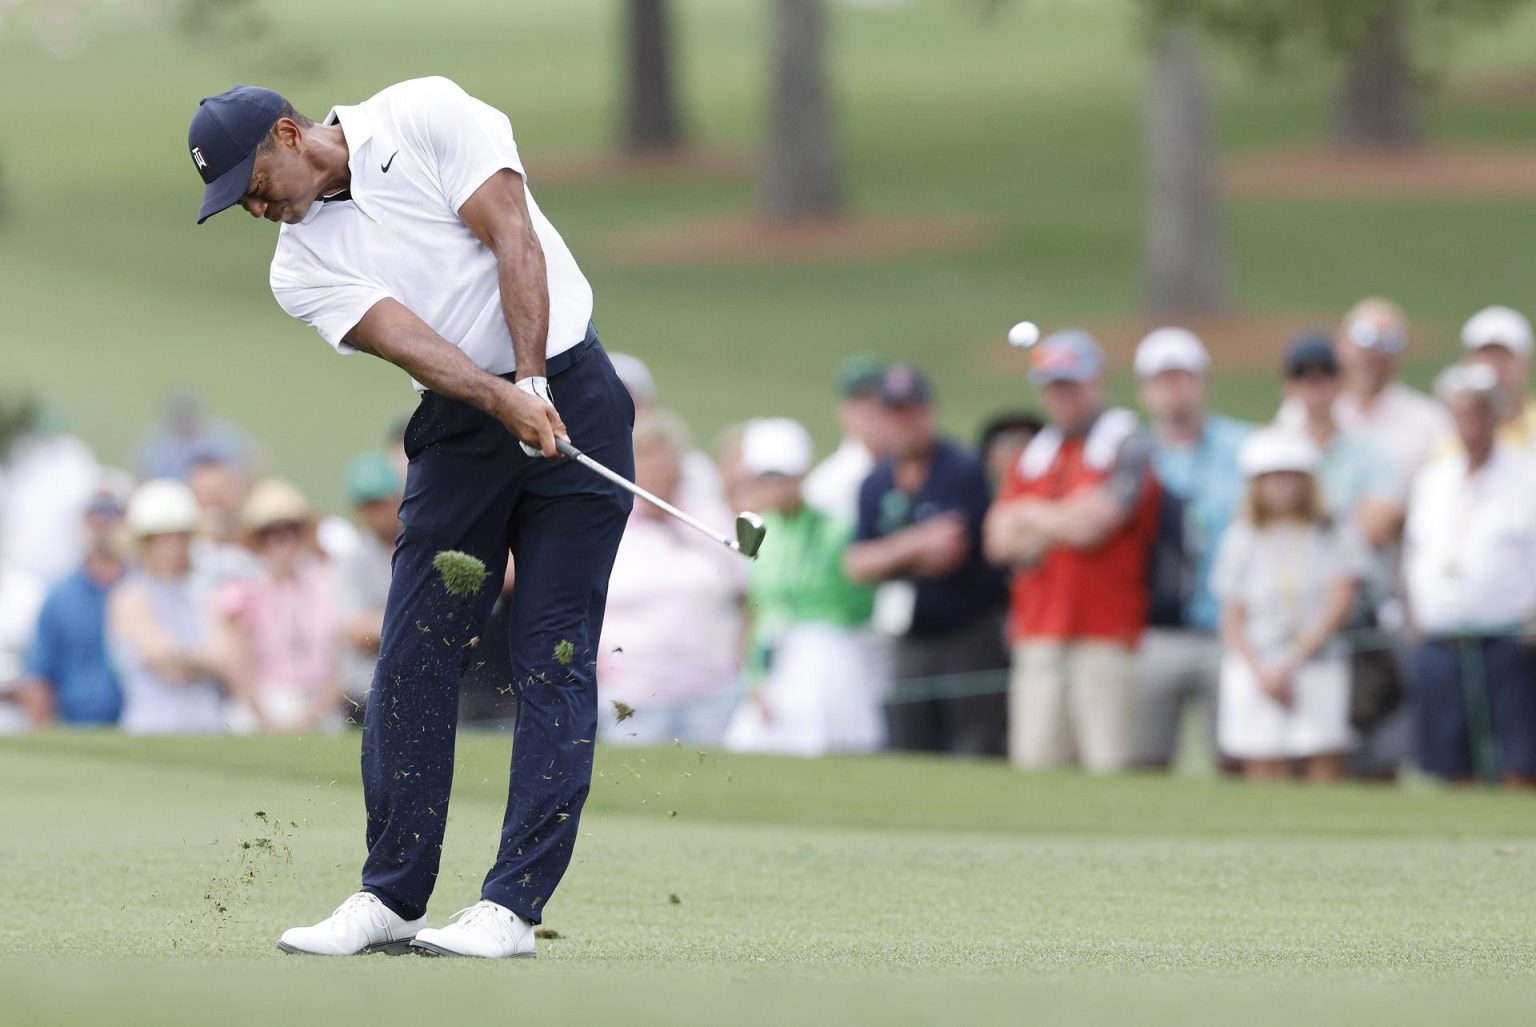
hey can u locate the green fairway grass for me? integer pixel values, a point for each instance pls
(1027, 122)
(145, 880)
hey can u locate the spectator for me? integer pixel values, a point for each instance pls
(362, 576)
(1501, 338)
(919, 541)
(1361, 487)
(1469, 552)
(701, 486)
(186, 436)
(1287, 575)
(280, 632)
(1358, 478)
(833, 486)
(220, 486)
(1405, 424)
(1076, 520)
(48, 477)
(77, 684)
(671, 648)
(1003, 439)
(1194, 454)
(22, 702)
(814, 690)
(156, 623)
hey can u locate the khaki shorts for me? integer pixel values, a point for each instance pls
(1072, 702)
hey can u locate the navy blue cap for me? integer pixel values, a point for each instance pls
(1311, 352)
(904, 386)
(226, 129)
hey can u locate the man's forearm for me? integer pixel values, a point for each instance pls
(391, 332)
(876, 560)
(525, 301)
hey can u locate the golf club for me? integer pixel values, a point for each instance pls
(749, 526)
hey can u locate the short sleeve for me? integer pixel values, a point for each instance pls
(44, 655)
(1381, 478)
(1131, 471)
(1232, 559)
(1348, 556)
(330, 300)
(469, 141)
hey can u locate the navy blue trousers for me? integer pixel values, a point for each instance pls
(1475, 697)
(470, 487)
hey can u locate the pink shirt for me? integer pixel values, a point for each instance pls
(291, 628)
(673, 630)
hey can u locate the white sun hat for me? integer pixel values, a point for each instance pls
(776, 445)
(1498, 326)
(162, 506)
(1276, 449)
(1171, 349)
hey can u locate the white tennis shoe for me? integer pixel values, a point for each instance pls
(486, 930)
(359, 925)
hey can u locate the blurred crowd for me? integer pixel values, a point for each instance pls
(1342, 592)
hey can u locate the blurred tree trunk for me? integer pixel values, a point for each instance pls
(802, 178)
(1184, 260)
(651, 118)
(1378, 101)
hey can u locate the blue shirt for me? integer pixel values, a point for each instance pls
(1356, 469)
(956, 483)
(70, 652)
(1206, 478)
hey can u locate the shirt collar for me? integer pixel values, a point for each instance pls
(358, 128)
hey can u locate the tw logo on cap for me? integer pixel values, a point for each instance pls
(197, 156)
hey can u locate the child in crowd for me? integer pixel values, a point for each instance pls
(815, 666)
(1287, 578)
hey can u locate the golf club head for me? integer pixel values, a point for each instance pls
(750, 531)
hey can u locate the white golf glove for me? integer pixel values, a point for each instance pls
(534, 386)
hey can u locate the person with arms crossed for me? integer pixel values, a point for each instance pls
(408, 232)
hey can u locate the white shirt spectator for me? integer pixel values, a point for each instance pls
(1470, 545)
(833, 485)
(418, 151)
(46, 485)
(21, 599)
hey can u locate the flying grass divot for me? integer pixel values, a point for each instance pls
(462, 574)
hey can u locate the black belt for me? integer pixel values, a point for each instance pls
(564, 361)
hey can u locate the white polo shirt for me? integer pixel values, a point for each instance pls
(1469, 548)
(418, 151)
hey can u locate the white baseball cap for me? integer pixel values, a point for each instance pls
(635, 376)
(776, 445)
(1498, 326)
(1171, 349)
(162, 507)
(1276, 449)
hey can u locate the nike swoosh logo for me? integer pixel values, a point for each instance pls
(385, 166)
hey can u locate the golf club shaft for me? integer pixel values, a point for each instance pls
(661, 504)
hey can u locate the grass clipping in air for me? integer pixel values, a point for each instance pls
(463, 575)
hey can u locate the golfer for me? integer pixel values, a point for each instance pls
(408, 232)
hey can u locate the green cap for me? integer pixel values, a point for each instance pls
(860, 375)
(372, 476)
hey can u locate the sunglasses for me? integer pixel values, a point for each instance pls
(280, 530)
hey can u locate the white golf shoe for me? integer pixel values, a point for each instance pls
(485, 929)
(359, 925)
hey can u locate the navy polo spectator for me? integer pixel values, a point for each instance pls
(67, 662)
(919, 542)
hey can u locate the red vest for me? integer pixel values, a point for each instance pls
(1098, 593)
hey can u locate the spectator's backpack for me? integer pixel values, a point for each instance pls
(1171, 570)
